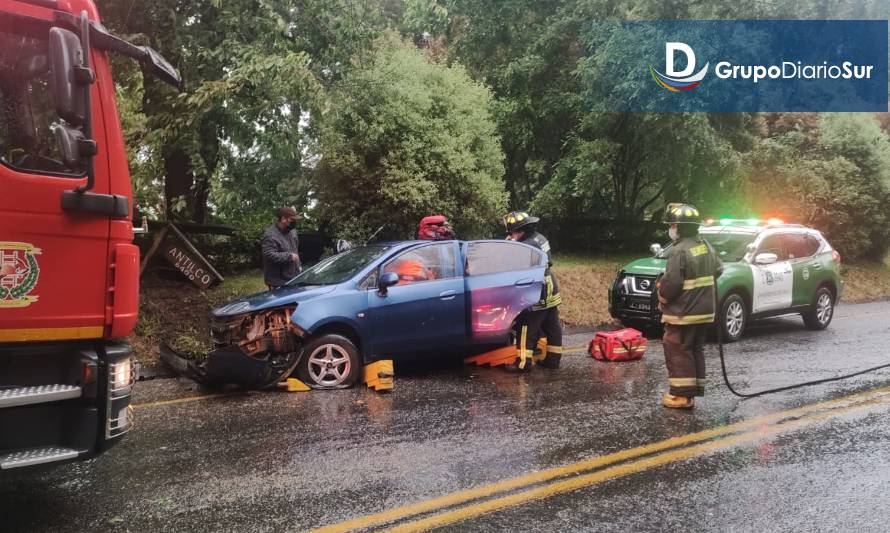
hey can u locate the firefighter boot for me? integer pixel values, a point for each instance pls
(523, 363)
(551, 360)
(677, 402)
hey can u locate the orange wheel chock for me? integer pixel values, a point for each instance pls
(501, 356)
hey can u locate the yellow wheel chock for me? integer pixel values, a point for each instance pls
(379, 375)
(294, 385)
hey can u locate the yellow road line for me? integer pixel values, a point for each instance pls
(625, 469)
(187, 399)
(467, 495)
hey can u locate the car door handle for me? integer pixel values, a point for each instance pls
(816, 266)
(447, 295)
(525, 282)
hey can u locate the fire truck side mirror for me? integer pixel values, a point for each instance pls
(67, 76)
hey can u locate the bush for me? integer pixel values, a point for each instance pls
(405, 138)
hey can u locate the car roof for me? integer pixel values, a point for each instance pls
(751, 227)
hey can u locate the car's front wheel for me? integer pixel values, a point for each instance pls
(329, 362)
(733, 318)
(821, 311)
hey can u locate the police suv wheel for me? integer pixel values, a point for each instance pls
(732, 318)
(329, 362)
(821, 311)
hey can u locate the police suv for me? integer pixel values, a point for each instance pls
(770, 269)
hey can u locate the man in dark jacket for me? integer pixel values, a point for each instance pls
(281, 259)
(686, 294)
(543, 319)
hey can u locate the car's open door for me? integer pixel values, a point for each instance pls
(503, 278)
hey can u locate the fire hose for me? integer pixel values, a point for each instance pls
(787, 387)
(719, 328)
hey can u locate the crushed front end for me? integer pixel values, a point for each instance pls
(252, 350)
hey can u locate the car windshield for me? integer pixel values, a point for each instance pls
(729, 246)
(340, 267)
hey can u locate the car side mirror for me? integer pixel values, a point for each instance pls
(71, 145)
(387, 280)
(766, 258)
(655, 249)
(343, 245)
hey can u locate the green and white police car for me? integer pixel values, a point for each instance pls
(769, 269)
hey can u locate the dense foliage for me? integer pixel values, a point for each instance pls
(478, 106)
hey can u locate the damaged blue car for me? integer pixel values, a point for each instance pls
(379, 301)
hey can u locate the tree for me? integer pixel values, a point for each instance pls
(833, 174)
(405, 138)
(234, 138)
(626, 166)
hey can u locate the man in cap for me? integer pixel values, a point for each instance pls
(281, 259)
(543, 319)
(686, 295)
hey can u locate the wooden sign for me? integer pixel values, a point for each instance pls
(189, 261)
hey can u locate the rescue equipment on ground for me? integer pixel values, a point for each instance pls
(625, 344)
(502, 356)
(435, 228)
(379, 375)
(294, 385)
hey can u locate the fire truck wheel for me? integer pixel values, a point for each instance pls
(821, 311)
(330, 362)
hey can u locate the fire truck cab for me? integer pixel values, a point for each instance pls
(69, 272)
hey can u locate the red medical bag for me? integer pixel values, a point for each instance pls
(622, 345)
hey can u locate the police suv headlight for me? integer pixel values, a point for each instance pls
(121, 376)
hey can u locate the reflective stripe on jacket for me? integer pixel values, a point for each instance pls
(686, 292)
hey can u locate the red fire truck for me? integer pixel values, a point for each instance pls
(69, 272)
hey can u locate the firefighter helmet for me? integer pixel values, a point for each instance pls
(681, 214)
(516, 220)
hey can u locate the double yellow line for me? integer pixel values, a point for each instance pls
(463, 505)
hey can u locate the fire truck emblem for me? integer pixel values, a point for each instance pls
(19, 273)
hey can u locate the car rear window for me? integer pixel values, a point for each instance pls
(798, 245)
(492, 257)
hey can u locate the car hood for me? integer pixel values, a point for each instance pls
(648, 265)
(269, 299)
(654, 266)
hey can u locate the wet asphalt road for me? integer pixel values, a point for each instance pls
(278, 461)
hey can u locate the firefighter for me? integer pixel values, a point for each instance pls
(686, 295)
(543, 319)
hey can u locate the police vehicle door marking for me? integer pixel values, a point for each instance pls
(773, 286)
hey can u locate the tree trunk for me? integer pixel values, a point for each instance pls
(178, 180)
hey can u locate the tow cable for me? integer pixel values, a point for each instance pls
(719, 328)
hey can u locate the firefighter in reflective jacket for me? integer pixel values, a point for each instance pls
(543, 319)
(686, 293)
